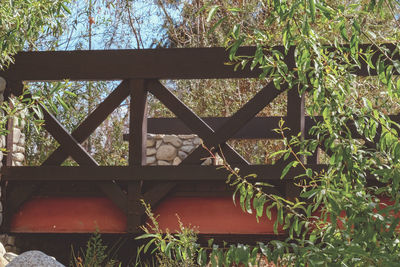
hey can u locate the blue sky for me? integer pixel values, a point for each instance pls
(149, 23)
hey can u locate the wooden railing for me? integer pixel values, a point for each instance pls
(140, 71)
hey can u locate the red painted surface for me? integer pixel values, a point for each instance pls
(68, 215)
(211, 215)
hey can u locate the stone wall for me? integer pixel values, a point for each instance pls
(171, 149)
(2, 137)
(18, 139)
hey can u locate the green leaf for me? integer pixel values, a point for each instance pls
(212, 29)
(312, 9)
(212, 12)
(309, 172)
(287, 168)
(259, 205)
(144, 236)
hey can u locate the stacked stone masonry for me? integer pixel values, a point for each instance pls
(171, 149)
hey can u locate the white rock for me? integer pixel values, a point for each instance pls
(188, 142)
(16, 135)
(172, 139)
(150, 142)
(2, 141)
(22, 139)
(176, 161)
(3, 262)
(9, 256)
(151, 136)
(34, 258)
(197, 141)
(187, 149)
(182, 154)
(150, 160)
(1, 156)
(150, 151)
(16, 163)
(2, 250)
(187, 136)
(18, 157)
(18, 148)
(3, 84)
(163, 163)
(166, 152)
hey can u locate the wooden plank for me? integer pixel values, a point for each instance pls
(137, 123)
(146, 173)
(172, 63)
(12, 192)
(256, 128)
(9, 141)
(137, 150)
(238, 120)
(83, 131)
(296, 124)
(194, 122)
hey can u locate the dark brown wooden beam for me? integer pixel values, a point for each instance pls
(137, 123)
(256, 128)
(146, 173)
(172, 63)
(137, 150)
(179, 63)
(296, 124)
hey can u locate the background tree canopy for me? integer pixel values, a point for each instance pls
(23, 22)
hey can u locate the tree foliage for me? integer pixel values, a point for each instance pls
(22, 22)
(347, 214)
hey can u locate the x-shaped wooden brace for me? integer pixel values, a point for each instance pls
(212, 138)
(70, 146)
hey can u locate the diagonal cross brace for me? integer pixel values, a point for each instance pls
(90, 124)
(236, 122)
(194, 122)
(82, 157)
(83, 131)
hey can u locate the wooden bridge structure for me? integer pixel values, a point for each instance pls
(34, 194)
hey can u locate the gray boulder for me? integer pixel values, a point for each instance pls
(34, 258)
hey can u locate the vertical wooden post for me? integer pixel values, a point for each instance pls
(296, 123)
(314, 159)
(137, 149)
(12, 88)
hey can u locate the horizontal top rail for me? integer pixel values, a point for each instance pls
(171, 63)
(146, 173)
